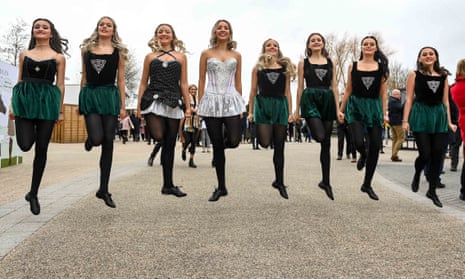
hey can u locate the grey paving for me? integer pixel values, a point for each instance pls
(251, 233)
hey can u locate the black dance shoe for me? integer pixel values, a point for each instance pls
(33, 203)
(217, 194)
(281, 188)
(370, 192)
(328, 190)
(192, 164)
(415, 183)
(87, 145)
(361, 162)
(432, 196)
(183, 155)
(173, 190)
(462, 196)
(106, 197)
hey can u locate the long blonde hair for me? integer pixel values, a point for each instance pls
(265, 60)
(176, 44)
(116, 41)
(460, 69)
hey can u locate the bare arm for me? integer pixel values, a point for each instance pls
(445, 101)
(202, 74)
(290, 117)
(143, 81)
(347, 94)
(253, 93)
(121, 86)
(238, 79)
(335, 90)
(300, 89)
(184, 86)
(410, 87)
(61, 66)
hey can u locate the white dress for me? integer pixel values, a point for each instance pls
(221, 98)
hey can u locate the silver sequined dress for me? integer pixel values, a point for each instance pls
(221, 98)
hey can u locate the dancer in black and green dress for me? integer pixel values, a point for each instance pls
(427, 115)
(270, 104)
(102, 96)
(37, 103)
(365, 97)
(318, 102)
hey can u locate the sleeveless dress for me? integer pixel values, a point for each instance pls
(428, 114)
(364, 104)
(221, 98)
(318, 99)
(164, 86)
(35, 97)
(270, 104)
(99, 94)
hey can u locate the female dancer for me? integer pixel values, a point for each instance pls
(161, 101)
(100, 101)
(365, 96)
(190, 128)
(319, 101)
(458, 95)
(270, 108)
(427, 116)
(36, 102)
(221, 103)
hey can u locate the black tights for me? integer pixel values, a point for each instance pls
(190, 140)
(430, 149)
(367, 141)
(28, 132)
(276, 135)
(321, 132)
(166, 130)
(230, 137)
(101, 131)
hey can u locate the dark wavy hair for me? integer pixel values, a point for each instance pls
(379, 57)
(308, 51)
(57, 43)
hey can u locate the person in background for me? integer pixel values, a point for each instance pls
(102, 95)
(220, 102)
(37, 103)
(395, 110)
(270, 104)
(365, 112)
(427, 115)
(318, 102)
(204, 138)
(126, 127)
(455, 139)
(135, 131)
(162, 94)
(458, 95)
(189, 128)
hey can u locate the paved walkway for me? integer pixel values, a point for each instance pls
(251, 233)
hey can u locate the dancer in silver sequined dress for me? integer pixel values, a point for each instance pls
(220, 102)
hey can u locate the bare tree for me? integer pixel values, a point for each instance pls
(397, 77)
(14, 41)
(131, 76)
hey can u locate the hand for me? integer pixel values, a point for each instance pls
(297, 117)
(61, 117)
(11, 116)
(250, 117)
(187, 113)
(290, 119)
(341, 117)
(453, 127)
(122, 113)
(406, 126)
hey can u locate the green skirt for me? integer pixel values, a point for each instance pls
(36, 100)
(428, 119)
(366, 110)
(318, 102)
(270, 110)
(104, 100)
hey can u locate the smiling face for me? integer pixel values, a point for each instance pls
(106, 27)
(223, 31)
(316, 43)
(41, 30)
(164, 34)
(427, 57)
(271, 47)
(369, 46)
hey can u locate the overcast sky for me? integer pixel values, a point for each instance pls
(405, 25)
